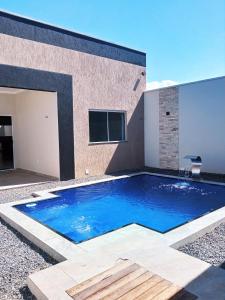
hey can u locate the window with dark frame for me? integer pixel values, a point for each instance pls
(106, 126)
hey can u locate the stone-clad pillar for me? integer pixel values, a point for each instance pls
(169, 128)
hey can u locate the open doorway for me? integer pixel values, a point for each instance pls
(29, 143)
(6, 143)
(43, 137)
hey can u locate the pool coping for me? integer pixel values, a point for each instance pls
(63, 250)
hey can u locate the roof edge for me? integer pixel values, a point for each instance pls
(63, 30)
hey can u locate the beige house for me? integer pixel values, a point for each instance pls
(73, 106)
(70, 105)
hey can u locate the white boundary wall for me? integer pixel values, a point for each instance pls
(201, 124)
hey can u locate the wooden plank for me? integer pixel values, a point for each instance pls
(95, 279)
(169, 293)
(104, 282)
(118, 286)
(153, 291)
(142, 288)
(127, 287)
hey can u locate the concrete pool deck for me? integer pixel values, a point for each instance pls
(194, 275)
(150, 249)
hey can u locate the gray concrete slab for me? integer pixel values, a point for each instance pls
(13, 178)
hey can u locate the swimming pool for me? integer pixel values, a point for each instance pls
(159, 203)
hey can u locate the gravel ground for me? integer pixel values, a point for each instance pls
(18, 256)
(210, 247)
(18, 259)
(25, 192)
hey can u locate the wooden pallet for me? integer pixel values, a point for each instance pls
(128, 281)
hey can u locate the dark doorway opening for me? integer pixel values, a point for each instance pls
(6, 143)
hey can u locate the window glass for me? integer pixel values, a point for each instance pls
(106, 126)
(116, 126)
(98, 126)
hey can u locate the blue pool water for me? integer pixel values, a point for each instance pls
(159, 203)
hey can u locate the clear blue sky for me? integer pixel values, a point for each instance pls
(184, 39)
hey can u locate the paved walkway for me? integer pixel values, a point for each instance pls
(13, 178)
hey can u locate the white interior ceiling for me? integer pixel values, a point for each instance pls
(10, 90)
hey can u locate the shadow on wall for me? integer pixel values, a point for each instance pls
(130, 154)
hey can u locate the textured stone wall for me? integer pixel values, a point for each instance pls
(169, 128)
(98, 83)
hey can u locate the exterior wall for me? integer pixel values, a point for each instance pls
(35, 134)
(32, 30)
(6, 105)
(196, 125)
(202, 123)
(151, 121)
(35, 130)
(98, 83)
